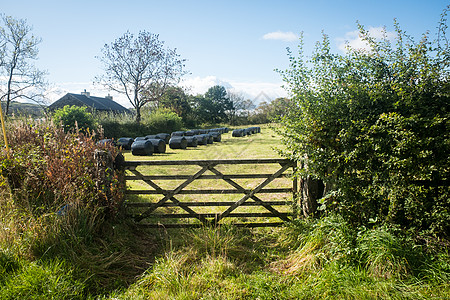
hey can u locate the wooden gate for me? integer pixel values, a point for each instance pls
(148, 198)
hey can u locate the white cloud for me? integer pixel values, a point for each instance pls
(199, 85)
(280, 35)
(255, 91)
(353, 39)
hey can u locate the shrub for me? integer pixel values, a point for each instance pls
(50, 168)
(73, 117)
(374, 125)
(152, 122)
(162, 120)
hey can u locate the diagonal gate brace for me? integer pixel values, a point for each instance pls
(170, 195)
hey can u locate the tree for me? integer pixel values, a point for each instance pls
(175, 99)
(240, 107)
(19, 77)
(220, 103)
(270, 111)
(140, 68)
(374, 125)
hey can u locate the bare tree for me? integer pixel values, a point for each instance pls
(140, 68)
(241, 107)
(19, 77)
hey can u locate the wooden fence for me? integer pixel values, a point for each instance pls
(159, 204)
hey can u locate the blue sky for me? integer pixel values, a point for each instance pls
(234, 43)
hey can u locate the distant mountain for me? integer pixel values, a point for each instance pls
(26, 109)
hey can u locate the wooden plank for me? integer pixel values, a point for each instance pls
(214, 215)
(208, 192)
(134, 164)
(184, 177)
(177, 225)
(227, 203)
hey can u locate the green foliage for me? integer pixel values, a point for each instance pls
(152, 122)
(175, 99)
(374, 124)
(50, 280)
(212, 108)
(162, 120)
(311, 259)
(49, 168)
(74, 117)
(267, 112)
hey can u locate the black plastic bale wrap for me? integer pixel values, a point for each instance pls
(189, 133)
(178, 142)
(142, 147)
(125, 143)
(140, 138)
(202, 139)
(151, 137)
(177, 133)
(164, 136)
(159, 145)
(238, 133)
(217, 136)
(210, 138)
(191, 141)
(107, 142)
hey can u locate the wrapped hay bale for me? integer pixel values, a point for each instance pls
(210, 138)
(217, 137)
(107, 142)
(125, 143)
(202, 139)
(177, 133)
(238, 133)
(159, 145)
(142, 147)
(163, 136)
(178, 142)
(191, 141)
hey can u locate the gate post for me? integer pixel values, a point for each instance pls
(295, 193)
(104, 167)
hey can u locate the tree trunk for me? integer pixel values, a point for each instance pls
(311, 190)
(138, 114)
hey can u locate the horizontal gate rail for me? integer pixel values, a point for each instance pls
(226, 203)
(250, 197)
(129, 164)
(212, 192)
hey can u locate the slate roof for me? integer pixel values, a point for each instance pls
(97, 103)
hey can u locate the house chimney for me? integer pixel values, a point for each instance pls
(87, 94)
(109, 97)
